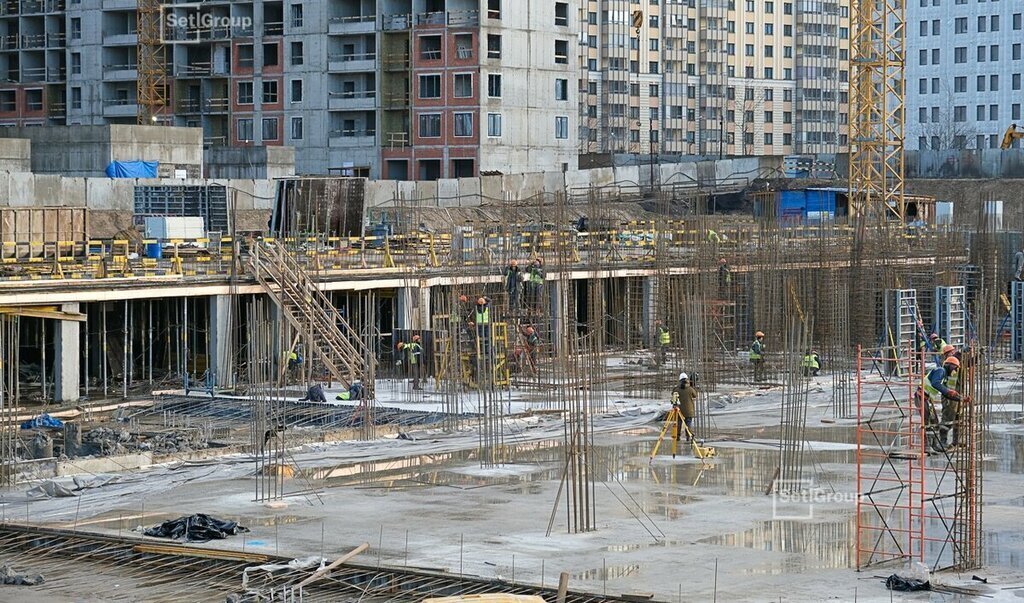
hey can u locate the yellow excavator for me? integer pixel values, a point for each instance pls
(1011, 135)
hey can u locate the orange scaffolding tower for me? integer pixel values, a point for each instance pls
(915, 503)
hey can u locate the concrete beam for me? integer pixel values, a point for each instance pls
(68, 355)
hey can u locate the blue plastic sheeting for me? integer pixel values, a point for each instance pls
(132, 169)
(43, 420)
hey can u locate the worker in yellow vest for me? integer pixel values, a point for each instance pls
(757, 351)
(811, 363)
(664, 340)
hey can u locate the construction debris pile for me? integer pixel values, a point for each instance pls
(107, 441)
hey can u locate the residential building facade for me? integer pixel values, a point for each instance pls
(964, 69)
(427, 89)
(714, 77)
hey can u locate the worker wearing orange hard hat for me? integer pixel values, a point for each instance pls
(939, 387)
(757, 351)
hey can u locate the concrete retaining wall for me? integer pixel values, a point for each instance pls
(16, 155)
(249, 162)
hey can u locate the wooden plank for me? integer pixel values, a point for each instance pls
(320, 573)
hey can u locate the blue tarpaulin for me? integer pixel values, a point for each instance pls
(43, 420)
(132, 169)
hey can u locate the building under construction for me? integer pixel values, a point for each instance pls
(473, 388)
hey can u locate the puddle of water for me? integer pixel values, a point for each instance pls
(610, 572)
(822, 545)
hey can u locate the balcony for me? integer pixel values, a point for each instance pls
(120, 4)
(357, 24)
(120, 107)
(352, 101)
(33, 41)
(353, 138)
(121, 39)
(396, 22)
(273, 29)
(33, 74)
(455, 18)
(396, 140)
(126, 71)
(346, 63)
(39, 7)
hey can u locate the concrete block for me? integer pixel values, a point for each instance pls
(22, 189)
(469, 192)
(532, 186)
(577, 180)
(406, 190)
(554, 183)
(16, 155)
(511, 184)
(448, 193)
(107, 464)
(627, 175)
(72, 192)
(5, 188)
(47, 190)
(426, 194)
(491, 187)
(380, 193)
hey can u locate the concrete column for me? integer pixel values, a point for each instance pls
(425, 309)
(651, 288)
(221, 352)
(559, 310)
(68, 350)
(404, 308)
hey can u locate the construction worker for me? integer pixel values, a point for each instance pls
(938, 387)
(757, 351)
(811, 363)
(356, 391)
(713, 237)
(532, 343)
(414, 354)
(535, 283)
(482, 321)
(315, 393)
(513, 284)
(294, 360)
(724, 277)
(684, 397)
(664, 340)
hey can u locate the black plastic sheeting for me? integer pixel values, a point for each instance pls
(895, 582)
(196, 528)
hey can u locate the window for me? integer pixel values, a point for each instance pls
(769, 73)
(979, 113)
(922, 57)
(787, 30)
(993, 23)
(769, 29)
(463, 85)
(787, 95)
(297, 57)
(981, 24)
(993, 112)
(936, 27)
(768, 139)
(1016, 52)
(1015, 81)
(245, 56)
(494, 85)
(270, 93)
(981, 84)
(653, 115)
(270, 55)
(430, 125)
(787, 117)
(787, 8)
(269, 128)
(296, 19)
(993, 52)
(653, 44)
(653, 67)
(993, 83)
(463, 124)
(296, 128)
(76, 63)
(561, 13)
(244, 93)
(769, 7)
(76, 98)
(769, 117)
(748, 50)
(561, 89)
(464, 46)
(960, 25)
(769, 51)
(935, 85)
(76, 28)
(243, 130)
(923, 28)
(922, 86)
(960, 84)
(960, 54)
(430, 48)
(922, 115)
(935, 114)
(981, 54)
(430, 86)
(1015, 111)
(787, 139)
(562, 52)
(787, 52)
(561, 127)
(493, 46)
(1016, 21)
(296, 91)
(494, 124)
(749, 27)
(960, 113)
(493, 9)
(653, 91)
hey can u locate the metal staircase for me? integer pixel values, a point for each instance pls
(331, 340)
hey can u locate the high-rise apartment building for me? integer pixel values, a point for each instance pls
(964, 69)
(710, 77)
(425, 89)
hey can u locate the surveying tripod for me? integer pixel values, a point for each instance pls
(675, 420)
